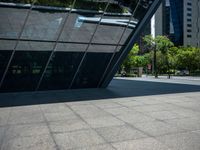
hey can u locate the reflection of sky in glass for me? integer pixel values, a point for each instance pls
(114, 22)
(46, 29)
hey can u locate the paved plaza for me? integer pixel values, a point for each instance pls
(131, 114)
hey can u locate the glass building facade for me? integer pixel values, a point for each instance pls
(66, 44)
(177, 20)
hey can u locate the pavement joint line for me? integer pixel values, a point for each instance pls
(133, 127)
(29, 123)
(102, 144)
(5, 130)
(107, 142)
(50, 132)
(149, 135)
(185, 107)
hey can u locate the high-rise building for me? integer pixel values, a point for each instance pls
(56, 44)
(179, 20)
(191, 33)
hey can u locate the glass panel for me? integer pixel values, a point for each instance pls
(25, 71)
(113, 23)
(7, 44)
(78, 29)
(140, 8)
(11, 21)
(112, 62)
(91, 70)
(101, 48)
(34, 46)
(110, 29)
(82, 22)
(43, 24)
(71, 47)
(61, 70)
(4, 58)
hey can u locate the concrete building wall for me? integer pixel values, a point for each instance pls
(183, 24)
(159, 20)
(192, 23)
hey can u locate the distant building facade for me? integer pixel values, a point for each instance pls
(179, 20)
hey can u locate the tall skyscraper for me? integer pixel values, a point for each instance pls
(179, 20)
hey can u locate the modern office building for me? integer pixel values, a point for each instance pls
(179, 20)
(52, 45)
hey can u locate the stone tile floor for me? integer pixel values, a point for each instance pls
(153, 122)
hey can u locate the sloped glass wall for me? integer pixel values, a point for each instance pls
(63, 44)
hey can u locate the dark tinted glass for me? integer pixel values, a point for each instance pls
(43, 24)
(61, 70)
(4, 58)
(34, 46)
(82, 22)
(7, 44)
(25, 71)
(91, 70)
(110, 29)
(11, 21)
(78, 29)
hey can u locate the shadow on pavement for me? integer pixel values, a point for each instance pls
(117, 89)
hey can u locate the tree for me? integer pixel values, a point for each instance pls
(160, 46)
(188, 58)
(135, 60)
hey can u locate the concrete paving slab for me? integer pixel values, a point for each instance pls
(98, 147)
(154, 108)
(120, 110)
(120, 133)
(68, 125)
(140, 144)
(23, 117)
(43, 142)
(133, 118)
(2, 135)
(88, 111)
(164, 115)
(60, 116)
(181, 141)
(157, 128)
(78, 139)
(33, 129)
(104, 121)
(190, 124)
(4, 116)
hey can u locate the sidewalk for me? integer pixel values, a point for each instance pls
(164, 79)
(130, 114)
(175, 77)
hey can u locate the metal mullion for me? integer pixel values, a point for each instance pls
(16, 44)
(151, 10)
(66, 42)
(118, 44)
(85, 52)
(54, 47)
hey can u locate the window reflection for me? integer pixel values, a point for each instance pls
(61, 70)
(11, 22)
(25, 71)
(43, 25)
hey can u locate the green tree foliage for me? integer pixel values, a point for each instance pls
(169, 57)
(135, 60)
(188, 58)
